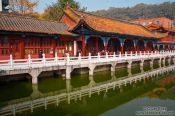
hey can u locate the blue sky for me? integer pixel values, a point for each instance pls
(93, 5)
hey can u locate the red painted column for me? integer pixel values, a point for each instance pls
(22, 48)
(106, 47)
(83, 44)
(96, 39)
(122, 48)
(54, 46)
(145, 45)
(135, 46)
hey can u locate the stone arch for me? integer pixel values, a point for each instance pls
(114, 45)
(94, 45)
(140, 46)
(149, 46)
(129, 45)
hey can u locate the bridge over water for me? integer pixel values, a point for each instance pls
(36, 66)
(26, 104)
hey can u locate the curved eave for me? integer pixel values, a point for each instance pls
(83, 22)
(38, 32)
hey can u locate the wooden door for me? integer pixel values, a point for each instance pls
(15, 48)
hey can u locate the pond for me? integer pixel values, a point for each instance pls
(128, 100)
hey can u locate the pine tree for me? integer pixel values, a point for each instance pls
(55, 11)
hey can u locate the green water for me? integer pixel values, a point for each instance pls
(111, 103)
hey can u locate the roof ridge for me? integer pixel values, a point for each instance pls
(117, 20)
(28, 17)
(151, 18)
(74, 11)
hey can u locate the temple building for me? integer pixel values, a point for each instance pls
(76, 32)
(98, 34)
(160, 25)
(21, 36)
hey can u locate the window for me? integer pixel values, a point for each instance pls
(4, 46)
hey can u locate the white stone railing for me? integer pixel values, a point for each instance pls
(12, 64)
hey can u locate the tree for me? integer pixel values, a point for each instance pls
(22, 6)
(55, 11)
(28, 5)
(140, 11)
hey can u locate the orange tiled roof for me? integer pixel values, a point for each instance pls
(154, 26)
(11, 22)
(163, 22)
(150, 19)
(102, 24)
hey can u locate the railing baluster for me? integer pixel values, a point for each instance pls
(106, 55)
(120, 54)
(79, 57)
(125, 54)
(98, 56)
(56, 58)
(89, 57)
(44, 60)
(131, 54)
(11, 61)
(29, 60)
(114, 55)
(67, 59)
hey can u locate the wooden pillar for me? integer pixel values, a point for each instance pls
(54, 41)
(83, 44)
(105, 42)
(75, 47)
(22, 48)
(135, 46)
(106, 47)
(145, 46)
(122, 47)
(96, 41)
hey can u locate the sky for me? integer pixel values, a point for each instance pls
(93, 5)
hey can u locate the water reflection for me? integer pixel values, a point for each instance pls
(36, 93)
(92, 82)
(107, 98)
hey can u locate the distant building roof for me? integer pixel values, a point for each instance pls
(151, 19)
(107, 25)
(159, 21)
(15, 23)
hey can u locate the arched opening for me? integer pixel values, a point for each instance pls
(160, 47)
(94, 45)
(114, 46)
(166, 47)
(129, 46)
(140, 46)
(150, 46)
(156, 48)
